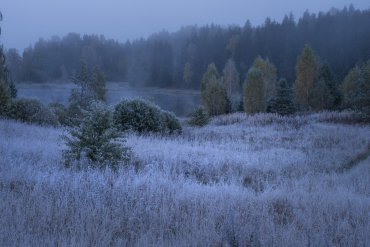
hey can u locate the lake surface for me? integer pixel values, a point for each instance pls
(181, 102)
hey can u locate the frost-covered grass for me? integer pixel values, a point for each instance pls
(240, 181)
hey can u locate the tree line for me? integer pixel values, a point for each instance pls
(314, 88)
(179, 59)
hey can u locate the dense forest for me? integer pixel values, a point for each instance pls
(178, 60)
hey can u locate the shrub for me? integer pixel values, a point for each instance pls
(95, 142)
(31, 111)
(171, 123)
(138, 115)
(144, 117)
(199, 117)
(4, 98)
(61, 113)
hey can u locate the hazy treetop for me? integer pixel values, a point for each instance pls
(26, 21)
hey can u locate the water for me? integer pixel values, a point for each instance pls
(181, 102)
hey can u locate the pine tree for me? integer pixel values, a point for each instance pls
(213, 93)
(320, 96)
(95, 142)
(327, 76)
(306, 74)
(282, 103)
(325, 94)
(199, 117)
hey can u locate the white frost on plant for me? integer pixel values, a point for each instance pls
(263, 180)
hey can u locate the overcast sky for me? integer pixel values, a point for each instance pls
(25, 21)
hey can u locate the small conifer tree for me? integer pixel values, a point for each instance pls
(282, 103)
(199, 117)
(95, 142)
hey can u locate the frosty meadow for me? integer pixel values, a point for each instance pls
(262, 180)
(224, 133)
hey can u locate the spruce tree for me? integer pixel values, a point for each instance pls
(282, 103)
(325, 74)
(199, 117)
(325, 94)
(95, 142)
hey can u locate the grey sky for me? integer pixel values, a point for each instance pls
(25, 21)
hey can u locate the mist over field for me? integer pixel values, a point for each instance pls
(185, 123)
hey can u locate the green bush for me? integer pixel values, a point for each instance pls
(4, 98)
(199, 117)
(31, 111)
(61, 113)
(171, 123)
(138, 115)
(95, 142)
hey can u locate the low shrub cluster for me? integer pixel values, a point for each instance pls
(199, 117)
(144, 117)
(30, 111)
(171, 123)
(61, 113)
